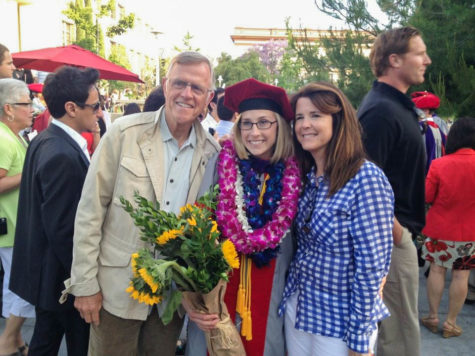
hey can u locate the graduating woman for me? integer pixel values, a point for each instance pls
(259, 185)
(343, 229)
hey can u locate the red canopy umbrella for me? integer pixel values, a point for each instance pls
(48, 59)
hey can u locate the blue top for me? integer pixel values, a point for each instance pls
(344, 250)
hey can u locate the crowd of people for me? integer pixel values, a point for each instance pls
(326, 206)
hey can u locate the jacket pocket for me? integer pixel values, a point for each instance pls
(134, 166)
(115, 253)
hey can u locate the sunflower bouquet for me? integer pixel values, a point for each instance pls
(185, 251)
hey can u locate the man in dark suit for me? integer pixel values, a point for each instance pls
(55, 168)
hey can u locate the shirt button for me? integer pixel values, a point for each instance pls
(168, 203)
(176, 159)
(171, 180)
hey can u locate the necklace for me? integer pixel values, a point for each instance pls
(232, 204)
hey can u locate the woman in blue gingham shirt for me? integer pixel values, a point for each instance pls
(344, 232)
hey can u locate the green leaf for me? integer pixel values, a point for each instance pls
(173, 303)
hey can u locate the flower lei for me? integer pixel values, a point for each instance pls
(249, 190)
(230, 212)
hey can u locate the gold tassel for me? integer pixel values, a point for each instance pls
(241, 297)
(263, 190)
(246, 326)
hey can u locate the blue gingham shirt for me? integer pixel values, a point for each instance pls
(344, 250)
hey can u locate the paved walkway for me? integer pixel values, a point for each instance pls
(432, 344)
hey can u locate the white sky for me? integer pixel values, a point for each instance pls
(211, 22)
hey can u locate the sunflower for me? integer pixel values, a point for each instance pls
(230, 254)
(214, 228)
(133, 263)
(184, 209)
(191, 221)
(148, 279)
(168, 235)
(130, 288)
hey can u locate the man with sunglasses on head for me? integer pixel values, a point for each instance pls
(162, 155)
(53, 175)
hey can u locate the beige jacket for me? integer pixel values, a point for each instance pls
(129, 158)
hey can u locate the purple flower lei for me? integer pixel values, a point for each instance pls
(271, 234)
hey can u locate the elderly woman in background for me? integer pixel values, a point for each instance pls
(450, 225)
(16, 114)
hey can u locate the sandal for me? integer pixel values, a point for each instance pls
(431, 323)
(451, 330)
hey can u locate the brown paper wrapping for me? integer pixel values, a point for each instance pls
(224, 340)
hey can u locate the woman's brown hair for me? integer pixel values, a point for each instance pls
(345, 152)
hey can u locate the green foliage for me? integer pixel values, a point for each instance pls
(89, 34)
(85, 28)
(125, 23)
(187, 46)
(100, 42)
(447, 28)
(346, 59)
(186, 251)
(356, 15)
(119, 56)
(314, 65)
(246, 66)
(290, 75)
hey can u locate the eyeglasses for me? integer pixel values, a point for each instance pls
(195, 88)
(261, 125)
(95, 107)
(29, 104)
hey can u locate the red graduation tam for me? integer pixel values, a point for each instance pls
(425, 100)
(251, 94)
(36, 87)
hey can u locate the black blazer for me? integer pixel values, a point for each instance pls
(52, 179)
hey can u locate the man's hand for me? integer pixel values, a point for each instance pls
(397, 232)
(89, 307)
(205, 322)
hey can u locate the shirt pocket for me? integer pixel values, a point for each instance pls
(334, 230)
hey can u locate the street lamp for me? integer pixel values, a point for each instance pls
(20, 3)
(220, 80)
(156, 33)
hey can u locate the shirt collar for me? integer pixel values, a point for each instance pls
(395, 93)
(81, 141)
(312, 178)
(167, 136)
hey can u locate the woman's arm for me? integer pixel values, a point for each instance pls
(371, 233)
(8, 183)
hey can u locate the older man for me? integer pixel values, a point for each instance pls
(393, 140)
(162, 155)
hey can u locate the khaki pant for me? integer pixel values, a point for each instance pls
(399, 335)
(127, 337)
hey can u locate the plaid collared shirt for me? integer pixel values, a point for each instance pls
(344, 250)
